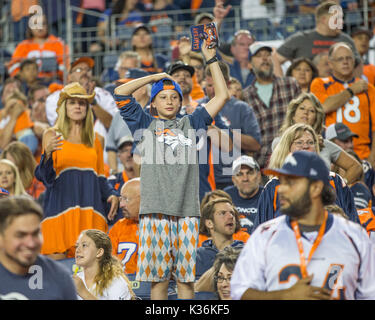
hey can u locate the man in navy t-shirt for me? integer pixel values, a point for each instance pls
(246, 189)
(24, 273)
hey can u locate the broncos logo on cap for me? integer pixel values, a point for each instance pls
(172, 139)
(290, 159)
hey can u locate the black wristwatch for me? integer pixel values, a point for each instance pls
(212, 60)
(350, 91)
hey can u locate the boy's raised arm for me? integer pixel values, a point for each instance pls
(128, 88)
(221, 90)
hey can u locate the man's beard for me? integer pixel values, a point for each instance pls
(299, 207)
(264, 75)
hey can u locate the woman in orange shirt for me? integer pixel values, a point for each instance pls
(78, 195)
(40, 44)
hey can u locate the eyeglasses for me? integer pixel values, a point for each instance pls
(220, 279)
(300, 143)
(342, 59)
(81, 70)
(125, 199)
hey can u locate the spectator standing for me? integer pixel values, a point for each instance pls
(348, 99)
(269, 97)
(309, 43)
(277, 249)
(20, 261)
(103, 106)
(166, 97)
(73, 152)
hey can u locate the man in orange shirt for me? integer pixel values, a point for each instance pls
(348, 100)
(124, 233)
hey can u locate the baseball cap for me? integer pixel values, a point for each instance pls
(340, 131)
(160, 86)
(361, 30)
(177, 65)
(302, 164)
(244, 160)
(89, 61)
(4, 192)
(124, 140)
(257, 46)
(133, 73)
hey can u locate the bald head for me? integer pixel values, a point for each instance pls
(131, 198)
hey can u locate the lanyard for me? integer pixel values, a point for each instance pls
(314, 247)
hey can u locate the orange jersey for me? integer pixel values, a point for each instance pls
(124, 237)
(369, 72)
(197, 91)
(356, 113)
(367, 218)
(28, 49)
(240, 235)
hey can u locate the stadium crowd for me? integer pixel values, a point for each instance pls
(130, 204)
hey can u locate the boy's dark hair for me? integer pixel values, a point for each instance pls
(27, 62)
(16, 206)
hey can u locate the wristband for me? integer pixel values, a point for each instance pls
(350, 91)
(212, 60)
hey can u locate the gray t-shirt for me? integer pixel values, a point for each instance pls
(46, 280)
(170, 167)
(309, 43)
(117, 130)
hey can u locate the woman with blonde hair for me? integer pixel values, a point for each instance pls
(22, 157)
(10, 178)
(102, 276)
(72, 169)
(299, 137)
(307, 109)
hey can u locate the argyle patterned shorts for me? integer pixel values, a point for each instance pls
(167, 245)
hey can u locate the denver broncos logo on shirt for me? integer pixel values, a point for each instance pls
(172, 139)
